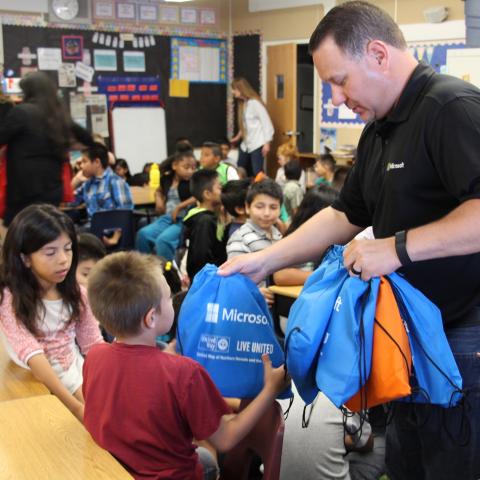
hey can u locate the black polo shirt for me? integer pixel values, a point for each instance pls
(414, 167)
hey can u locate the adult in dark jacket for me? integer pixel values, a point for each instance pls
(38, 134)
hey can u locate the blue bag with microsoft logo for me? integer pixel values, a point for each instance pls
(224, 324)
(308, 321)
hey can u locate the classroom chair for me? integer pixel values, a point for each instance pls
(104, 222)
(265, 441)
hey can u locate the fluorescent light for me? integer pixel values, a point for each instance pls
(177, 1)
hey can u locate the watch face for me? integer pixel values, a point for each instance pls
(65, 9)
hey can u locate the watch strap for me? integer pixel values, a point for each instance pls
(401, 247)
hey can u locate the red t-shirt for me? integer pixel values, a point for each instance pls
(144, 406)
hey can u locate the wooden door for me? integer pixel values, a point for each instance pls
(281, 96)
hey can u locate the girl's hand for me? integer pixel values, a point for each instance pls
(175, 213)
(265, 149)
(268, 295)
(235, 139)
(78, 410)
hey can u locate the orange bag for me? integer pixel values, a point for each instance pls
(391, 356)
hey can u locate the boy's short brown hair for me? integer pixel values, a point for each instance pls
(122, 288)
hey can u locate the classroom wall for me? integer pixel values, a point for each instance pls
(41, 6)
(298, 23)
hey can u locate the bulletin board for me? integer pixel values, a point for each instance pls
(200, 117)
(434, 55)
(199, 60)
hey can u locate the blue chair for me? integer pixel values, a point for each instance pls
(104, 222)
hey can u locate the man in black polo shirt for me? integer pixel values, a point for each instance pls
(417, 182)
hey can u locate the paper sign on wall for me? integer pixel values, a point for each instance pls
(85, 72)
(179, 88)
(49, 58)
(134, 61)
(66, 75)
(105, 60)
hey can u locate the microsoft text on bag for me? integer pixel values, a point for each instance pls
(232, 315)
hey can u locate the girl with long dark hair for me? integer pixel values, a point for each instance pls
(45, 317)
(172, 200)
(38, 133)
(255, 127)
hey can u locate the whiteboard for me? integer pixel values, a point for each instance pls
(139, 135)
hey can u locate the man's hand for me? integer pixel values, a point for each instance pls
(371, 258)
(252, 265)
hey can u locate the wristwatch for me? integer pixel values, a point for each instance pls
(401, 248)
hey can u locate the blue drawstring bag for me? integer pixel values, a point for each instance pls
(308, 320)
(345, 357)
(436, 375)
(225, 325)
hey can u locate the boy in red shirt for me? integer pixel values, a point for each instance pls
(146, 406)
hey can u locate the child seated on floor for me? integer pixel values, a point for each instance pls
(233, 200)
(90, 251)
(324, 168)
(172, 199)
(202, 229)
(292, 190)
(285, 153)
(211, 158)
(262, 204)
(225, 149)
(175, 398)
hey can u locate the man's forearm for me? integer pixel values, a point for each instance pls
(326, 228)
(458, 233)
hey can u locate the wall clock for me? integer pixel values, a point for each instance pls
(65, 9)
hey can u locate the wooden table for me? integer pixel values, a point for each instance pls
(290, 292)
(42, 440)
(284, 298)
(143, 196)
(15, 381)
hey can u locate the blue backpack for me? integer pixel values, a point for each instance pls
(345, 357)
(225, 325)
(308, 321)
(435, 371)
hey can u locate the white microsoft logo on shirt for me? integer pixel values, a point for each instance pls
(212, 313)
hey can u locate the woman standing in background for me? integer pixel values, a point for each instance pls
(255, 127)
(38, 134)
